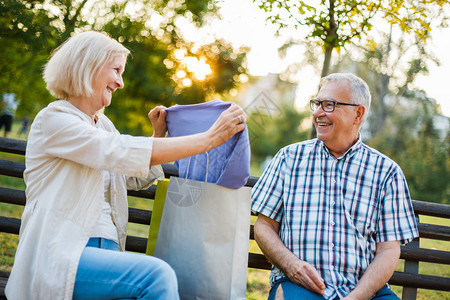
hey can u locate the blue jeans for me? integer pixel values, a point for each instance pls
(285, 289)
(104, 272)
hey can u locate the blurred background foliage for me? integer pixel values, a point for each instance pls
(166, 68)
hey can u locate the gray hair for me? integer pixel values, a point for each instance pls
(73, 65)
(360, 89)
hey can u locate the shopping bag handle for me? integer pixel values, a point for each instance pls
(207, 166)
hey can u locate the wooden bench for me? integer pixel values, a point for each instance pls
(409, 279)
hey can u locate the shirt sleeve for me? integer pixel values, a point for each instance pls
(137, 183)
(397, 221)
(267, 194)
(66, 136)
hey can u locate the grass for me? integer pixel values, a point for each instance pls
(257, 280)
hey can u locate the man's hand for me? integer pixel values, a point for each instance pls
(304, 274)
(298, 271)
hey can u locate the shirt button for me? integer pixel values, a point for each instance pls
(115, 192)
(333, 203)
(332, 245)
(138, 174)
(332, 223)
(334, 181)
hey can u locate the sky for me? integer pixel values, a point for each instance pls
(243, 24)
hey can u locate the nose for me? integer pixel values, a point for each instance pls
(318, 112)
(119, 82)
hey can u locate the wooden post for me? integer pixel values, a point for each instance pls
(411, 266)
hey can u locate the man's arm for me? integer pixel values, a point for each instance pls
(298, 271)
(379, 271)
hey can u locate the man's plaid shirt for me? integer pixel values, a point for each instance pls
(332, 212)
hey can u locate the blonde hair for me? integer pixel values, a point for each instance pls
(73, 65)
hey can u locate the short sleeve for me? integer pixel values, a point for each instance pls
(397, 221)
(267, 194)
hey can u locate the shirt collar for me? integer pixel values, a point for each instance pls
(66, 106)
(350, 152)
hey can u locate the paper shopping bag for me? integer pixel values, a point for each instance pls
(155, 221)
(204, 237)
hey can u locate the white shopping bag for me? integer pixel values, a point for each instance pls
(204, 236)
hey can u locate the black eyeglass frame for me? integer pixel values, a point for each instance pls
(320, 103)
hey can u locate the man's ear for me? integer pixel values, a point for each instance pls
(359, 114)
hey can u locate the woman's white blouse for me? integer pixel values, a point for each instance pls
(105, 227)
(65, 157)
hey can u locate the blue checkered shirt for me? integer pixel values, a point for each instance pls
(332, 212)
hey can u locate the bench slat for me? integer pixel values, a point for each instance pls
(436, 232)
(15, 169)
(147, 194)
(431, 209)
(136, 244)
(425, 255)
(13, 146)
(3, 280)
(420, 281)
(258, 261)
(9, 225)
(139, 216)
(12, 196)
(170, 170)
(11, 168)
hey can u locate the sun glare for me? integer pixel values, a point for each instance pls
(187, 82)
(199, 68)
(181, 74)
(179, 54)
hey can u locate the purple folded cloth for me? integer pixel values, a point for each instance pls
(229, 164)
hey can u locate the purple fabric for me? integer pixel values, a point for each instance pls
(229, 164)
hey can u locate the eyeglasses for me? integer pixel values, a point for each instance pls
(327, 105)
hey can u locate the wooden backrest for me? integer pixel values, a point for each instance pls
(412, 254)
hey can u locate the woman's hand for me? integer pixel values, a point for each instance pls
(230, 122)
(158, 118)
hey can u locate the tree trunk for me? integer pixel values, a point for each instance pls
(383, 89)
(330, 42)
(327, 61)
(381, 116)
(325, 72)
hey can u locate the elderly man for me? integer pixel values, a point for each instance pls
(332, 212)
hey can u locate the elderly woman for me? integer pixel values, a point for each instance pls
(78, 170)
